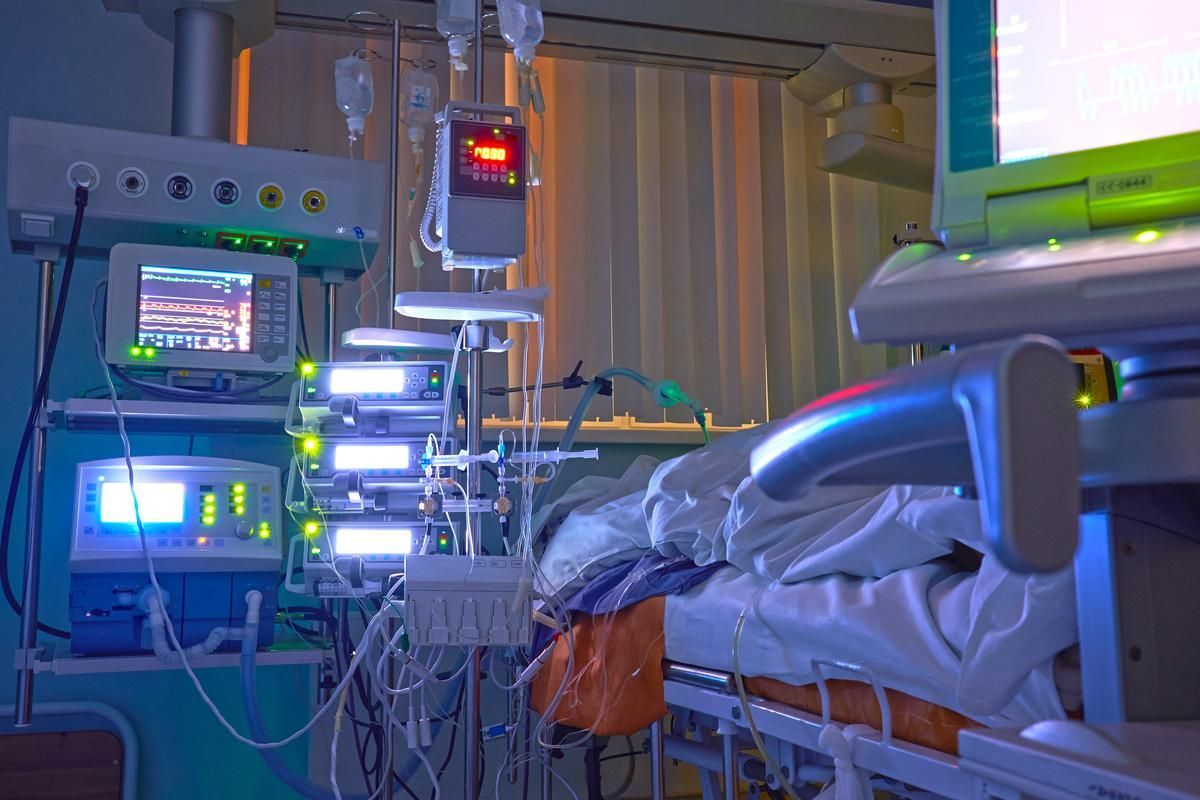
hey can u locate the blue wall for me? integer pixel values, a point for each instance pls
(71, 61)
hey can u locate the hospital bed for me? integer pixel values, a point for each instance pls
(897, 651)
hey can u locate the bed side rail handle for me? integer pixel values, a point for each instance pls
(859, 672)
(1004, 411)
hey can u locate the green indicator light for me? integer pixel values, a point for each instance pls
(239, 488)
(313, 467)
(240, 511)
(311, 444)
(208, 520)
(149, 351)
(1054, 248)
(1083, 400)
(300, 246)
(308, 368)
(210, 509)
(210, 498)
(964, 257)
(316, 551)
(264, 534)
(496, 131)
(1146, 237)
(311, 529)
(1052, 241)
(470, 142)
(135, 351)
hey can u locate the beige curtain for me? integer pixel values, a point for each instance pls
(689, 234)
(687, 230)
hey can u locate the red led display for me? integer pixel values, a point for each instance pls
(490, 153)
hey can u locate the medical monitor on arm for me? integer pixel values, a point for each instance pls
(1068, 176)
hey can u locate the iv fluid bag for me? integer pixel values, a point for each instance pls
(455, 17)
(354, 89)
(418, 97)
(521, 25)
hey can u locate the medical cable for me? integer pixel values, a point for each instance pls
(35, 410)
(153, 576)
(771, 763)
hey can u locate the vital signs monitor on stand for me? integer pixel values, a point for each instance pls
(200, 309)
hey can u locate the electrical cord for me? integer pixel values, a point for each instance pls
(35, 410)
(303, 326)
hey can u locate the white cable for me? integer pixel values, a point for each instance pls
(158, 590)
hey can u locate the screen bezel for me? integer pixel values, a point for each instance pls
(137, 319)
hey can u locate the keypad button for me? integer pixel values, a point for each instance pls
(262, 339)
(280, 296)
(278, 340)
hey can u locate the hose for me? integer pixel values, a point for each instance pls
(666, 393)
(250, 700)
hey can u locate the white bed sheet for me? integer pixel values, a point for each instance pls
(845, 574)
(906, 627)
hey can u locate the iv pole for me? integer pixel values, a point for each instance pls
(474, 429)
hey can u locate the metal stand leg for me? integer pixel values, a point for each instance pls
(730, 763)
(33, 525)
(658, 776)
(393, 199)
(389, 788)
(474, 425)
(330, 321)
(547, 777)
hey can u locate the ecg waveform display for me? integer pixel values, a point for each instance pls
(194, 309)
(1080, 74)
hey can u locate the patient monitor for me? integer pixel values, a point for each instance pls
(199, 308)
(1068, 164)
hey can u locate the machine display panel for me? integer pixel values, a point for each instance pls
(1076, 75)
(489, 160)
(195, 309)
(158, 502)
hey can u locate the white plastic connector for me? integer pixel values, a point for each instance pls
(554, 456)
(535, 666)
(426, 730)
(457, 45)
(412, 732)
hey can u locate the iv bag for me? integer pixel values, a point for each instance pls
(354, 90)
(455, 17)
(418, 101)
(521, 25)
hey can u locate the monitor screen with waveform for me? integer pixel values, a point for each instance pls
(1077, 75)
(195, 309)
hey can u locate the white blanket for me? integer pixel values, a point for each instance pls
(843, 574)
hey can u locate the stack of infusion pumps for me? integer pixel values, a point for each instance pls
(356, 478)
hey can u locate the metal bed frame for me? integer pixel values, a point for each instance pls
(706, 711)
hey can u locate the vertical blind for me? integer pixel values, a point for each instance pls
(687, 230)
